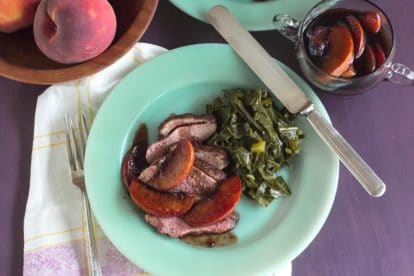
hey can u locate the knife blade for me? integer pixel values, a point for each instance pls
(291, 96)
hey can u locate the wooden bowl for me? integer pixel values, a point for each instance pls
(21, 60)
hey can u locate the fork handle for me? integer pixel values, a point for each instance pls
(92, 252)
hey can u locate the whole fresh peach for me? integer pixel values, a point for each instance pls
(16, 14)
(72, 31)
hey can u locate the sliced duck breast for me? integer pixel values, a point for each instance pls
(174, 121)
(215, 156)
(194, 133)
(176, 227)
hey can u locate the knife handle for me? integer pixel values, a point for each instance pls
(349, 157)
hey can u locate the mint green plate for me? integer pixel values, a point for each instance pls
(184, 80)
(255, 16)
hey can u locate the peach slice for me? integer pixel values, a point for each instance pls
(318, 41)
(350, 72)
(341, 51)
(379, 55)
(371, 21)
(358, 35)
(158, 203)
(367, 62)
(175, 169)
(216, 208)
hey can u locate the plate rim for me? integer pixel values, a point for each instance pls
(265, 10)
(178, 53)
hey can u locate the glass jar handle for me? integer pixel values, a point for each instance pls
(400, 74)
(287, 26)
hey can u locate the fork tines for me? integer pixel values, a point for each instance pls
(76, 137)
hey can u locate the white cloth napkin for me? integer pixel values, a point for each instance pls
(54, 223)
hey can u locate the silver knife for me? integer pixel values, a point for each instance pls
(291, 96)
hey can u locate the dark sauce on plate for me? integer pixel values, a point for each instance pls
(211, 240)
(134, 160)
(139, 146)
(141, 136)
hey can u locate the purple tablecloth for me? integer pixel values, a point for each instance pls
(362, 236)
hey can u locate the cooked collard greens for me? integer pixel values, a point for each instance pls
(260, 139)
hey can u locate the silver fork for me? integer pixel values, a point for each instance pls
(76, 142)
